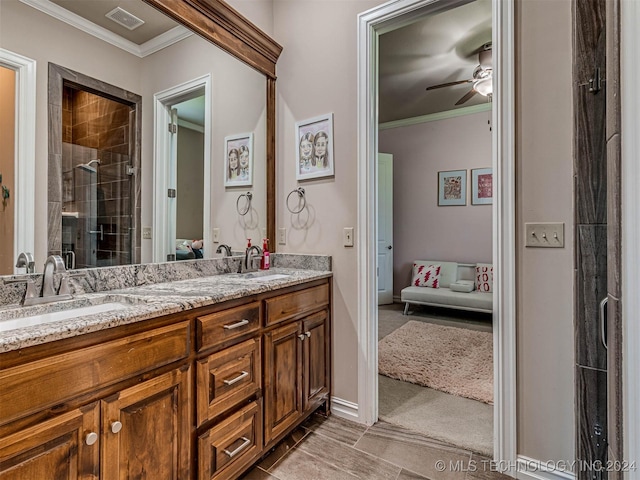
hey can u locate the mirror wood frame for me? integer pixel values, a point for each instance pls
(219, 23)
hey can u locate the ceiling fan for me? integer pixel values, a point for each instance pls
(481, 77)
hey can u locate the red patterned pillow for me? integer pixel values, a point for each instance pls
(484, 277)
(426, 276)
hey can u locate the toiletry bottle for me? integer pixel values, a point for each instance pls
(264, 262)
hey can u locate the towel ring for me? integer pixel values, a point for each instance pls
(247, 205)
(301, 195)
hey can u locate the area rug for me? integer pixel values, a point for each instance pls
(453, 360)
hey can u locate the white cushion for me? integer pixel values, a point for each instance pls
(448, 271)
(447, 297)
(484, 277)
(464, 286)
(426, 276)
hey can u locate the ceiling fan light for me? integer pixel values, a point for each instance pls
(484, 86)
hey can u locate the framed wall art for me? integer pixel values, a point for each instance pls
(238, 160)
(481, 186)
(452, 188)
(314, 147)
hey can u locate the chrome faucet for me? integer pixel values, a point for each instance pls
(226, 248)
(53, 264)
(25, 260)
(248, 257)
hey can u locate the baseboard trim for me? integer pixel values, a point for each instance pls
(345, 409)
(531, 469)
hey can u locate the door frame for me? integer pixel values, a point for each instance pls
(25, 151)
(630, 275)
(162, 162)
(371, 24)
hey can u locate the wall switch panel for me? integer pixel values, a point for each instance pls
(215, 233)
(282, 236)
(544, 235)
(347, 235)
(146, 233)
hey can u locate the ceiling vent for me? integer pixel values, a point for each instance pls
(124, 18)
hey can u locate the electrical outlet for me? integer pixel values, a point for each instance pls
(282, 236)
(216, 235)
(347, 236)
(544, 235)
(146, 233)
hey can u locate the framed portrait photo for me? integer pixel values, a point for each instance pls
(452, 188)
(481, 186)
(314, 147)
(238, 160)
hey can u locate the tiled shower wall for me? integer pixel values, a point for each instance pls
(94, 127)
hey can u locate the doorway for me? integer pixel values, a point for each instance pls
(372, 24)
(186, 109)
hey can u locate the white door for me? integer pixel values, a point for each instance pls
(385, 228)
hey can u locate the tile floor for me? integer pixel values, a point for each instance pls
(336, 449)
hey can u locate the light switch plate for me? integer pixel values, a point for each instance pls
(146, 233)
(347, 235)
(544, 235)
(216, 235)
(282, 236)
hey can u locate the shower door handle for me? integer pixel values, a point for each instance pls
(101, 232)
(603, 321)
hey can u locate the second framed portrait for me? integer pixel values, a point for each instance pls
(314, 147)
(238, 163)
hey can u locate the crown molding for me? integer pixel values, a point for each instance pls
(158, 43)
(432, 117)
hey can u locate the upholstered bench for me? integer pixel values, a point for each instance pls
(447, 284)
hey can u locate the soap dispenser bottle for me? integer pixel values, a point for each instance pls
(264, 261)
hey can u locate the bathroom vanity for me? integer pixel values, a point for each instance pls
(196, 378)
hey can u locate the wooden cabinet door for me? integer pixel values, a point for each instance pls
(282, 379)
(146, 429)
(65, 447)
(316, 359)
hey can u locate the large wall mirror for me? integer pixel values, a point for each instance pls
(151, 137)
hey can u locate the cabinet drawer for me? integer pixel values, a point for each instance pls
(296, 304)
(228, 377)
(220, 327)
(36, 385)
(226, 449)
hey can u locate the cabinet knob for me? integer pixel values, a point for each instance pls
(91, 438)
(301, 336)
(116, 426)
(308, 334)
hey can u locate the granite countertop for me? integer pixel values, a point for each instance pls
(143, 302)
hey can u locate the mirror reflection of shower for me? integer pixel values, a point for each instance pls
(97, 180)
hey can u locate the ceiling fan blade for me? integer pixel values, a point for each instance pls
(449, 84)
(467, 97)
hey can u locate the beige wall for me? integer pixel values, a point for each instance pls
(317, 74)
(7, 138)
(545, 194)
(190, 186)
(422, 229)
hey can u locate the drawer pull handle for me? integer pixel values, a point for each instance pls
(241, 323)
(245, 443)
(116, 426)
(91, 438)
(301, 336)
(237, 379)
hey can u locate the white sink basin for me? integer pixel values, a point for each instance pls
(44, 318)
(265, 278)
